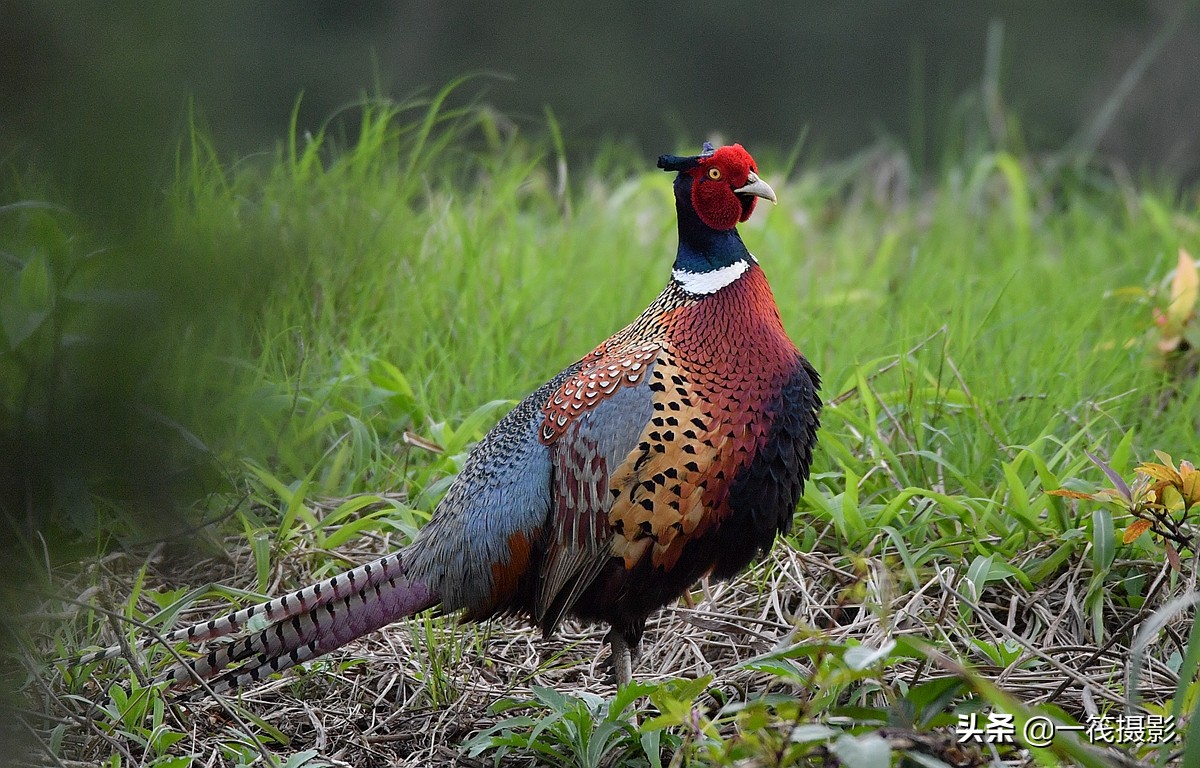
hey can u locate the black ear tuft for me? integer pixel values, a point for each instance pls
(676, 163)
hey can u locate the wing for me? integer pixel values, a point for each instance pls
(591, 424)
(483, 537)
(533, 494)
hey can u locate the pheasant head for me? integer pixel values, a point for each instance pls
(713, 192)
(723, 184)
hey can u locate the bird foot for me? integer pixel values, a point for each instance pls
(622, 657)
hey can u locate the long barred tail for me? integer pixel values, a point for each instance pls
(301, 625)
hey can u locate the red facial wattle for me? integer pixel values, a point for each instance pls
(716, 183)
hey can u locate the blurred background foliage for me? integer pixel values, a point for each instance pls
(98, 91)
(108, 325)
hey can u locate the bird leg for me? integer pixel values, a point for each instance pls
(621, 657)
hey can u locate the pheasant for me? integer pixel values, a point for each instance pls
(676, 449)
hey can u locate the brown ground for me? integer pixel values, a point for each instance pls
(387, 700)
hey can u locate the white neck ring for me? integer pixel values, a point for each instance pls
(711, 281)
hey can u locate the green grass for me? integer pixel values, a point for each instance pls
(975, 338)
(461, 270)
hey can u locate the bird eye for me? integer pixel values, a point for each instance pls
(714, 174)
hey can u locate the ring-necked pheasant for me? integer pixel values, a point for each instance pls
(675, 449)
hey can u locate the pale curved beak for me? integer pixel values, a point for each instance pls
(757, 187)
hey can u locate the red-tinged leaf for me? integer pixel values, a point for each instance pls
(415, 440)
(1072, 494)
(1189, 487)
(1160, 472)
(1117, 481)
(1135, 529)
(1173, 558)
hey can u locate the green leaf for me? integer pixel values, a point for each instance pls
(1187, 670)
(300, 759)
(848, 515)
(1018, 189)
(56, 738)
(1104, 538)
(350, 530)
(35, 286)
(1121, 455)
(165, 738)
(260, 546)
(679, 690)
(866, 751)
(472, 427)
(1191, 740)
(860, 714)
(902, 550)
(387, 376)
(932, 696)
(276, 735)
(778, 667)
(627, 697)
(978, 575)
(811, 732)
(1018, 498)
(859, 657)
(30, 302)
(1043, 569)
